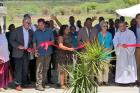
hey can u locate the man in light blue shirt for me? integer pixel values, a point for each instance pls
(42, 34)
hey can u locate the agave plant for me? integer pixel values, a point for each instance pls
(92, 61)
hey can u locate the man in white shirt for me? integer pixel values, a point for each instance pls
(32, 64)
(21, 40)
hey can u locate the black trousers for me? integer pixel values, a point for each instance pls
(32, 70)
(12, 66)
(21, 69)
(49, 75)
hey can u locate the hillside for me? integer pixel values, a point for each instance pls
(63, 8)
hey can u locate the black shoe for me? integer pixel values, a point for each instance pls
(137, 84)
(27, 85)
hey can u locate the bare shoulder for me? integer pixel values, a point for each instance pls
(60, 39)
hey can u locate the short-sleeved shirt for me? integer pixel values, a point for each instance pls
(43, 36)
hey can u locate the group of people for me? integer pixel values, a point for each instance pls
(17, 58)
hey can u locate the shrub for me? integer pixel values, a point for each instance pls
(92, 61)
(88, 7)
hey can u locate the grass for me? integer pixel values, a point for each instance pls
(63, 9)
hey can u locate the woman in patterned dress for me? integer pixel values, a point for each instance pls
(64, 53)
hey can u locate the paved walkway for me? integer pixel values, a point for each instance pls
(110, 89)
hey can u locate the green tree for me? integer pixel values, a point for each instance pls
(132, 2)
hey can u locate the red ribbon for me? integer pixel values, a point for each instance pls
(30, 50)
(49, 43)
(132, 45)
(2, 67)
(79, 47)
